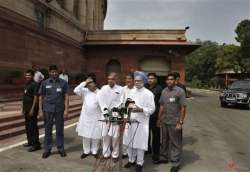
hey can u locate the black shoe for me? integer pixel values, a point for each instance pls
(138, 168)
(26, 145)
(84, 156)
(62, 153)
(46, 155)
(129, 164)
(163, 161)
(115, 159)
(156, 160)
(174, 169)
(104, 158)
(124, 156)
(34, 148)
(148, 152)
(96, 156)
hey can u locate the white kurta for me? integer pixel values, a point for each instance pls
(88, 125)
(137, 136)
(127, 94)
(109, 98)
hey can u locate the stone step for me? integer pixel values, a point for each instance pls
(12, 122)
(17, 105)
(21, 121)
(10, 108)
(12, 115)
(15, 131)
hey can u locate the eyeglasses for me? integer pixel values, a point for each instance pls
(171, 79)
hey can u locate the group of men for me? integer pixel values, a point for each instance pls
(159, 116)
(47, 99)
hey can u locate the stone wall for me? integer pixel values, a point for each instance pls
(23, 44)
(44, 32)
(129, 56)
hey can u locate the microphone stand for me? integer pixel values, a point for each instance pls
(122, 124)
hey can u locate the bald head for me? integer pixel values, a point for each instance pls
(112, 74)
(112, 78)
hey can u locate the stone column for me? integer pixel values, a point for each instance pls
(100, 17)
(82, 11)
(69, 6)
(90, 14)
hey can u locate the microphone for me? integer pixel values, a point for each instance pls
(106, 114)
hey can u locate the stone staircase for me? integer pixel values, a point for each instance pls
(12, 121)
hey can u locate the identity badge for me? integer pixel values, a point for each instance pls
(59, 90)
(172, 99)
(48, 86)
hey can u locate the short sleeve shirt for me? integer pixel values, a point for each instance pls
(53, 92)
(30, 91)
(38, 77)
(172, 101)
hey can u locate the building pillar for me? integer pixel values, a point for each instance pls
(69, 6)
(96, 14)
(83, 12)
(90, 14)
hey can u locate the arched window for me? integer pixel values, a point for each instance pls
(113, 66)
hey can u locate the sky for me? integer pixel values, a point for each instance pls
(214, 20)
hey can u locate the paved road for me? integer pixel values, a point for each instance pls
(215, 140)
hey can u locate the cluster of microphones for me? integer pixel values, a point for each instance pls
(119, 114)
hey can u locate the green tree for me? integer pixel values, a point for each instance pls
(242, 57)
(200, 65)
(242, 31)
(226, 58)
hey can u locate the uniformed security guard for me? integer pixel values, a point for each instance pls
(30, 112)
(54, 103)
(171, 116)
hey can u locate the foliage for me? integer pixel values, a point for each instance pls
(211, 58)
(200, 65)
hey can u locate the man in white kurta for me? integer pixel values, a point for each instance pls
(138, 133)
(88, 126)
(110, 96)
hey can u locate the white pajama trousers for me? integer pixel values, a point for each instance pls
(107, 142)
(136, 154)
(90, 145)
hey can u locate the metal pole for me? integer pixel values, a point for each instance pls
(121, 146)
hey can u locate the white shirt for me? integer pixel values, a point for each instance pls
(109, 98)
(127, 92)
(64, 77)
(138, 132)
(38, 76)
(89, 125)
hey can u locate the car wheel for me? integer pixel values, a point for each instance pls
(248, 106)
(223, 104)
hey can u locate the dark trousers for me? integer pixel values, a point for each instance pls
(49, 119)
(31, 128)
(171, 147)
(156, 133)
